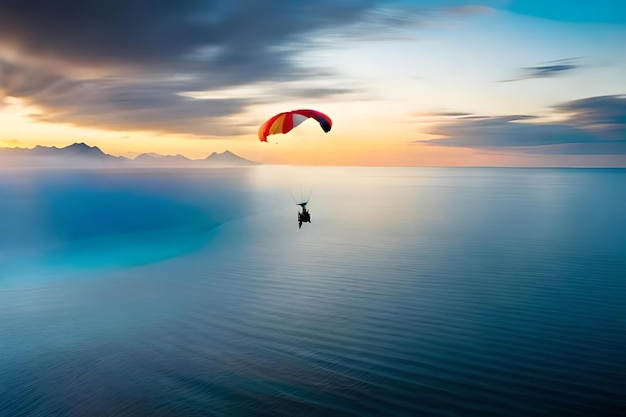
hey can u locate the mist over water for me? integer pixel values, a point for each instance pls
(414, 291)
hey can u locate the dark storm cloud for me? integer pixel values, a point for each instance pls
(146, 52)
(100, 30)
(595, 125)
(549, 69)
(155, 32)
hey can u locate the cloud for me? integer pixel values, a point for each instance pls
(602, 115)
(135, 105)
(548, 69)
(117, 103)
(22, 81)
(595, 125)
(120, 64)
(470, 10)
(161, 32)
(249, 38)
(442, 114)
(506, 131)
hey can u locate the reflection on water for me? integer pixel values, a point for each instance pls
(486, 292)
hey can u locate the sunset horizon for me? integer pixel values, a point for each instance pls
(406, 83)
(133, 155)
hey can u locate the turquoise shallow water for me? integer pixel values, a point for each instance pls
(473, 292)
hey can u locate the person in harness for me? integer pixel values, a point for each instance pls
(304, 217)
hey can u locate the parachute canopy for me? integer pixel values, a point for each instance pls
(284, 122)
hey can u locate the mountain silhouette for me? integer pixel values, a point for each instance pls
(227, 158)
(83, 150)
(85, 156)
(154, 159)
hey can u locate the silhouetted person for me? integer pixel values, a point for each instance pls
(304, 217)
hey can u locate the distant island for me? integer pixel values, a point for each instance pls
(81, 155)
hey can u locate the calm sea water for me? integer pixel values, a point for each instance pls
(413, 292)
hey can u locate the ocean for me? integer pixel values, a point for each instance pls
(412, 292)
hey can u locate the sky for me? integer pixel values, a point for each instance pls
(406, 83)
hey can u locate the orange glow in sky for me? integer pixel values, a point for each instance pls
(487, 84)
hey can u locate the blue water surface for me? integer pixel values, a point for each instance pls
(413, 292)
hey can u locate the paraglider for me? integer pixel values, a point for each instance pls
(286, 121)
